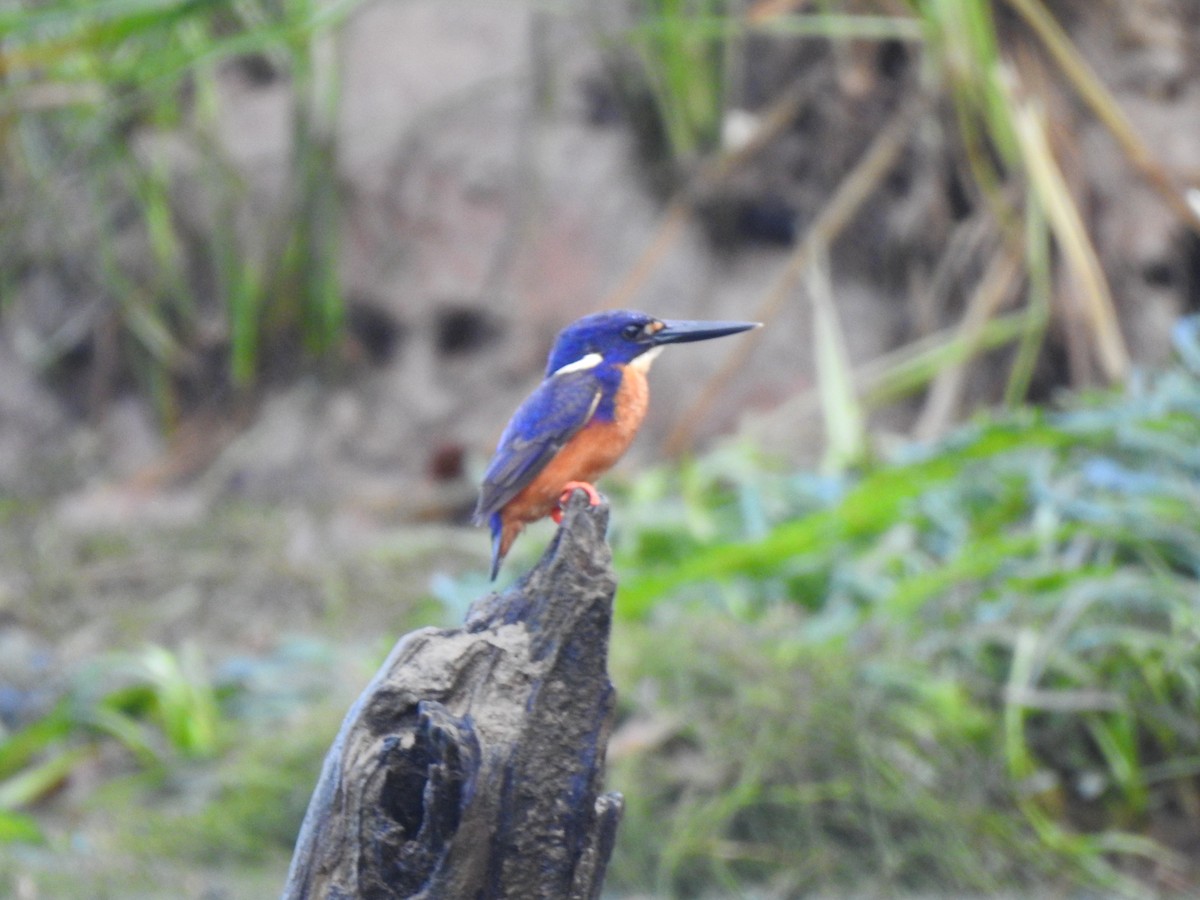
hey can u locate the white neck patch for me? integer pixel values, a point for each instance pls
(643, 362)
(581, 365)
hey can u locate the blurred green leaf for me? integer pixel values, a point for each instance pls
(18, 828)
(36, 781)
(1019, 597)
(20, 747)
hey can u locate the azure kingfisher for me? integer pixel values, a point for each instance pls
(580, 419)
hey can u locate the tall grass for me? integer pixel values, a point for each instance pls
(987, 646)
(155, 704)
(88, 205)
(997, 90)
(685, 67)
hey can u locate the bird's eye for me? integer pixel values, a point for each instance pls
(631, 332)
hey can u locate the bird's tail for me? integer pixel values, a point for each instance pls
(498, 548)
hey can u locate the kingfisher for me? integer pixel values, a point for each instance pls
(580, 420)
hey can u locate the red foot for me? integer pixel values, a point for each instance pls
(568, 489)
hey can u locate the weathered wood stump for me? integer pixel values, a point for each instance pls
(472, 764)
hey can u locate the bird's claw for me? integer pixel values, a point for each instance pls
(568, 489)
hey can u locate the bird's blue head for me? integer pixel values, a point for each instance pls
(620, 336)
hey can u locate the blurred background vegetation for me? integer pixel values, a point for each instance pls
(965, 662)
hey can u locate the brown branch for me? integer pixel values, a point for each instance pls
(847, 200)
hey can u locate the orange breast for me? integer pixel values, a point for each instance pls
(586, 456)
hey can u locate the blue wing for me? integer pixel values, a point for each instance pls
(548, 418)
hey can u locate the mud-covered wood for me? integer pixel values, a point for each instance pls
(472, 765)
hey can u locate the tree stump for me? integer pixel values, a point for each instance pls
(472, 764)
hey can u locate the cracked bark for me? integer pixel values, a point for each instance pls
(472, 765)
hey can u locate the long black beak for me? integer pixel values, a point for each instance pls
(676, 331)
